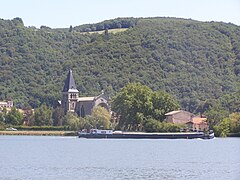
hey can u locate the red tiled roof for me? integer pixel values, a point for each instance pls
(199, 120)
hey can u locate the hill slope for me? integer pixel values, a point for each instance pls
(193, 60)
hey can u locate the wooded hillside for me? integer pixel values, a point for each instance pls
(198, 62)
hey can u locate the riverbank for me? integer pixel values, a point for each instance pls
(234, 134)
(40, 133)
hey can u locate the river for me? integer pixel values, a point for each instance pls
(48, 157)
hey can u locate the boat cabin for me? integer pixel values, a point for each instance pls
(98, 131)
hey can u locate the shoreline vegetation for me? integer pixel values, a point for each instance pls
(63, 133)
(233, 135)
(40, 133)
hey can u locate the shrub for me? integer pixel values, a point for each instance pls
(41, 128)
(153, 125)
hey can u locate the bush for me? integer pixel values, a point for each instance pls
(71, 121)
(41, 128)
(228, 125)
(153, 125)
(169, 127)
(2, 127)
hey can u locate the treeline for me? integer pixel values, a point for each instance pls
(54, 119)
(135, 108)
(108, 24)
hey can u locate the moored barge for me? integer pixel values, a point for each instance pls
(102, 134)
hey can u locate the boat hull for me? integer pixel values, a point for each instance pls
(146, 136)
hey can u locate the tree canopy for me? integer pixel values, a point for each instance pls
(13, 117)
(99, 119)
(42, 116)
(228, 125)
(136, 103)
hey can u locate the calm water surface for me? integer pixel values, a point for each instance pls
(36, 157)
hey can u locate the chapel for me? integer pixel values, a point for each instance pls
(73, 102)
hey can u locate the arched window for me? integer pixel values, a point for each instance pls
(82, 112)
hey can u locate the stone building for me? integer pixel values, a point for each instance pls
(179, 117)
(71, 102)
(198, 124)
(194, 123)
(6, 104)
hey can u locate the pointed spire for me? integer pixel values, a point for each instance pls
(69, 83)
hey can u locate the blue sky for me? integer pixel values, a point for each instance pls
(63, 13)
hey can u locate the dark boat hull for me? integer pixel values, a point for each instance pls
(146, 136)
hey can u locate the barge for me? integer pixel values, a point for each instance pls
(109, 134)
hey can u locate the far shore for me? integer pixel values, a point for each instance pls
(40, 133)
(61, 133)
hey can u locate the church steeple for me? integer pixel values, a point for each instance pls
(69, 83)
(70, 94)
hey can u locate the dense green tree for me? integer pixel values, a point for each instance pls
(223, 128)
(162, 103)
(42, 116)
(2, 125)
(206, 105)
(215, 115)
(57, 115)
(3, 113)
(228, 125)
(136, 102)
(231, 102)
(153, 125)
(71, 121)
(2, 118)
(14, 117)
(100, 118)
(109, 24)
(235, 122)
(133, 103)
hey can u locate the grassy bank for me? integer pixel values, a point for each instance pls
(40, 133)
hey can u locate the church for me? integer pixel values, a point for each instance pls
(71, 102)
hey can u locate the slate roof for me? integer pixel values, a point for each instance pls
(69, 83)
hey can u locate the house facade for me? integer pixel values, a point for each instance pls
(71, 102)
(179, 117)
(193, 123)
(198, 124)
(6, 104)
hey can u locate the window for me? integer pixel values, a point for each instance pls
(82, 112)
